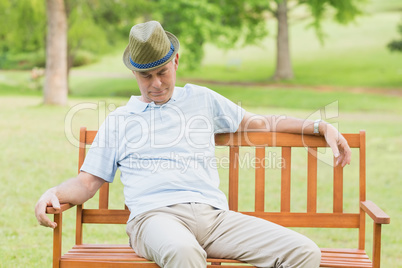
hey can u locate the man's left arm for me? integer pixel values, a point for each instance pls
(272, 123)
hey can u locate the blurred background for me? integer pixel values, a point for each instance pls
(61, 68)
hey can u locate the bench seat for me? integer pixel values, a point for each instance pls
(100, 254)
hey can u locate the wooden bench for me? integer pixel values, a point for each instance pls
(117, 255)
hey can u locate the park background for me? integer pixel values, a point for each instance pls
(352, 70)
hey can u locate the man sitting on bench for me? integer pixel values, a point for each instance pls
(163, 143)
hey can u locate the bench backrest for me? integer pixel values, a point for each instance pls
(258, 142)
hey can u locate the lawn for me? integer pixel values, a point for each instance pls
(353, 77)
(39, 151)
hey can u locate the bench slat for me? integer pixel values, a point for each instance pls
(272, 139)
(288, 219)
(285, 179)
(233, 178)
(109, 216)
(94, 254)
(260, 178)
(338, 188)
(312, 179)
(323, 220)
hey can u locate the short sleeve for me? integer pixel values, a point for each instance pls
(227, 115)
(101, 160)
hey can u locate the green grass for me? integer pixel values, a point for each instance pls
(353, 55)
(38, 153)
(39, 142)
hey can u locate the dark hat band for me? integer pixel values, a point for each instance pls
(155, 63)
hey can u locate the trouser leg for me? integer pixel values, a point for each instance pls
(182, 236)
(165, 239)
(260, 242)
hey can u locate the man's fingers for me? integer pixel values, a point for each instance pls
(40, 209)
(335, 149)
(43, 220)
(345, 153)
(55, 202)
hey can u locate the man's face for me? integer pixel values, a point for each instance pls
(158, 85)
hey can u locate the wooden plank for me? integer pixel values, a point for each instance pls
(338, 188)
(82, 148)
(78, 224)
(337, 264)
(333, 257)
(233, 178)
(312, 180)
(330, 258)
(124, 248)
(276, 139)
(343, 250)
(71, 263)
(104, 196)
(91, 134)
(376, 213)
(323, 220)
(335, 220)
(109, 216)
(259, 179)
(376, 245)
(57, 239)
(63, 207)
(285, 179)
(362, 230)
(362, 187)
(102, 246)
(362, 166)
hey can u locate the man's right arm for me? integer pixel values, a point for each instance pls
(75, 191)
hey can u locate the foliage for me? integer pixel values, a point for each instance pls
(198, 22)
(396, 45)
(97, 26)
(22, 28)
(94, 25)
(23, 25)
(343, 12)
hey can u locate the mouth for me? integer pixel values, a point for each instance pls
(157, 93)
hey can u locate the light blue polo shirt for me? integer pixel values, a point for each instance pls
(166, 153)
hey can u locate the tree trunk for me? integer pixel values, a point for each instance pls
(284, 68)
(55, 91)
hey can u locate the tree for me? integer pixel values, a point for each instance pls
(97, 26)
(224, 23)
(396, 45)
(90, 25)
(55, 89)
(342, 11)
(283, 68)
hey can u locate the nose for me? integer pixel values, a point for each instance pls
(156, 82)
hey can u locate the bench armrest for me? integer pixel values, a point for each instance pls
(375, 212)
(63, 207)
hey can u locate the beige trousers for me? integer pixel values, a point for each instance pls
(183, 235)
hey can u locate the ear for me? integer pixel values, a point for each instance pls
(176, 61)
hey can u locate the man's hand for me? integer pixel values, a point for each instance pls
(338, 144)
(47, 199)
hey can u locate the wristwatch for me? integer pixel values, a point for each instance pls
(316, 125)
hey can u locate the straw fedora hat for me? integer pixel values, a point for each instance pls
(149, 47)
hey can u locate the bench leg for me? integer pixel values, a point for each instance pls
(57, 240)
(376, 245)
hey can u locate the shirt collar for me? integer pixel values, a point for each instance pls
(136, 106)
